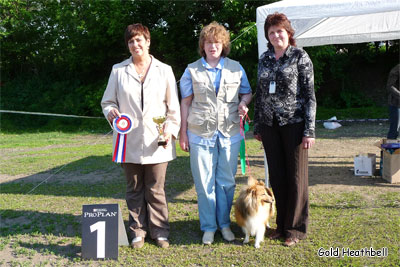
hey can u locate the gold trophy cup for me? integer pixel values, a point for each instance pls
(160, 123)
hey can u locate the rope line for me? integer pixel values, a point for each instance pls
(244, 32)
(49, 114)
(88, 117)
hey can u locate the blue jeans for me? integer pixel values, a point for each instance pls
(213, 170)
(394, 119)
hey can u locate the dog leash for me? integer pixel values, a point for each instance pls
(244, 127)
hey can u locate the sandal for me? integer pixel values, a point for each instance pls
(291, 241)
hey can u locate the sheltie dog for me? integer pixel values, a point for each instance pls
(253, 209)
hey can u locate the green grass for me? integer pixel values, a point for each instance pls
(44, 227)
(353, 113)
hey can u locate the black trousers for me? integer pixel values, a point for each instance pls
(288, 172)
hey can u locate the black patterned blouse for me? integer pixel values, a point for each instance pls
(294, 98)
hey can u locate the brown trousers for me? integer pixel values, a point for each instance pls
(288, 172)
(146, 200)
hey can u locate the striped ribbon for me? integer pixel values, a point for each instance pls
(122, 125)
(120, 149)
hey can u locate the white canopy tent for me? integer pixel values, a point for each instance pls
(322, 22)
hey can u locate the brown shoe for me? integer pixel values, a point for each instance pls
(162, 243)
(291, 241)
(137, 244)
(275, 235)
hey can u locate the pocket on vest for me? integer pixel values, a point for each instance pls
(234, 117)
(200, 92)
(233, 121)
(232, 94)
(199, 122)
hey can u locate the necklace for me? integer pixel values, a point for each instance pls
(142, 73)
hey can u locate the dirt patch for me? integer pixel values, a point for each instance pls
(70, 177)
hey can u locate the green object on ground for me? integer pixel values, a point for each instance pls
(243, 149)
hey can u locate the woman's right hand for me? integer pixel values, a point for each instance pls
(114, 113)
(184, 141)
(258, 137)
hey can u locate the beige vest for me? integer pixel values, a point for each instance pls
(210, 112)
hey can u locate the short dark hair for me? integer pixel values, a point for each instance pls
(136, 29)
(279, 19)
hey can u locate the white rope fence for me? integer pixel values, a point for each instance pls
(49, 114)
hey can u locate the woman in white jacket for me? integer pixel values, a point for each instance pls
(143, 88)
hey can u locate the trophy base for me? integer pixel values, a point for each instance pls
(162, 143)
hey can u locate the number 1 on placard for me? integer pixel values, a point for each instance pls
(100, 227)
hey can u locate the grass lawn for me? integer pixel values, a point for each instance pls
(46, 177)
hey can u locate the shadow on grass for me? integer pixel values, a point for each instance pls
(343, 175)
(187, 232)
(15, 222)
(70, 251)
(353, 130)
(94, 176)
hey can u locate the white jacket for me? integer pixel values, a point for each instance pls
(160, 98)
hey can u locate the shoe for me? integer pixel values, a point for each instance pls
(227, 234)
(291, 241)
(275, 235)
(162, 242)
(208, 238)
(137, 242)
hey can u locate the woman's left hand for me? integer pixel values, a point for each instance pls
(308, 142)
(243, 109)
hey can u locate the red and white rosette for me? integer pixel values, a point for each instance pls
(122, 125)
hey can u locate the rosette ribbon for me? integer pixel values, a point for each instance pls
(122, 125)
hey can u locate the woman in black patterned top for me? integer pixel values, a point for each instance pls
(284, 121)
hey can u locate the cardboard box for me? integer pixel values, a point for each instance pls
(391, 167)
(364, 165)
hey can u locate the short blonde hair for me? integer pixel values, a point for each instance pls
(215, 31)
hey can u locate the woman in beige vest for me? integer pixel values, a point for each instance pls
(143, 88)
(214, 90)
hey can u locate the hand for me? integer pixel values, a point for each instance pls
(184, 141)
(308, 142)
(258, 137)
(167, 138)
(243, 109)
(114, 113)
